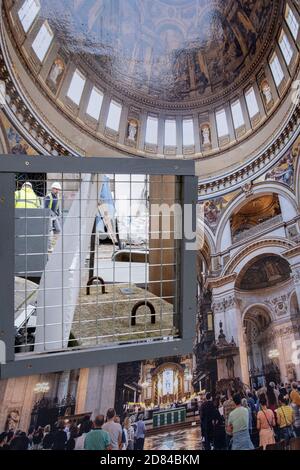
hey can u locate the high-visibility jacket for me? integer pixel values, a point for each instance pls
(26, 198)
(52, 202)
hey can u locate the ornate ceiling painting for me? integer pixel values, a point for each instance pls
(265, 272)
(284, 172)
(184, 51)
(16, 143)
(214, 208)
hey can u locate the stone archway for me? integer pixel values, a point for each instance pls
(259, 338)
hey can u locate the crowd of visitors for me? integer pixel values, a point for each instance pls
(251, 418)
(100, 434)
(233, 420)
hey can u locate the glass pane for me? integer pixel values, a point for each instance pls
(28, 12)
(277, 72)
(42, 41)
(114, 115)
(76, 87)
(170, 132)
(128, 291)
(237, 114)
(251, 102)
(95, 103)
(292, 22)
(151, 130)
(222, 126)
(286, 48)
(188, 132)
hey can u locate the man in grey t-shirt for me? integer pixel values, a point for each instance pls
(113, 429)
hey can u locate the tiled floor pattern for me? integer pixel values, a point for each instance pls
(182, 439)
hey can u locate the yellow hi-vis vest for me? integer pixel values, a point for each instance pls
(26, 198)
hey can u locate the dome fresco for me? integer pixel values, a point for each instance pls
(160, 78)
(185, 51)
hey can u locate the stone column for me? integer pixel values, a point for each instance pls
(288, 212)
(96, 390)
(281, 356)
(18, 395)
(293, 258)
(63, 385)
(227, 310)
(73, 383)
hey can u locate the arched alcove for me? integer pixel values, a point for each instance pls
(262, 272)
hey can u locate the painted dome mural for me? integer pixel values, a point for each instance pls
(160, 78)
(183, 51)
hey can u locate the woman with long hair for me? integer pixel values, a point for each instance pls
(265, 424)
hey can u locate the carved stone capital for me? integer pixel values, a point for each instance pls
(296, 275)
(226, 303)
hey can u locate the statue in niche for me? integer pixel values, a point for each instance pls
(230, 367)
(266, 91)
(55, 74)
(132, 130)
(205, 135)
(12, 420)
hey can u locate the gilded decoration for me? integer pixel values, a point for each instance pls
(253, 213)
(214, 208)
(284, 171)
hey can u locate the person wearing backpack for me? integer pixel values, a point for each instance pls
(285, 419)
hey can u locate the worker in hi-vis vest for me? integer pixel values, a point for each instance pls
(52, 202)
(25, 198)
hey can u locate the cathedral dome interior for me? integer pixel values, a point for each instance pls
(188, 79)
(109, 108)
(166, 54)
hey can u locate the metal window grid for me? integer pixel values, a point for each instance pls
(120, 345)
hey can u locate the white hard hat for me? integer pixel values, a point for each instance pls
(27, 183)
(56, 185)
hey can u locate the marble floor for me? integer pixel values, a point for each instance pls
(181, 439)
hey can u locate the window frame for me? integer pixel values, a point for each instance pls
(36, 43)
(219, 124)
(76, 100)
(100, 93)
(28, 25)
